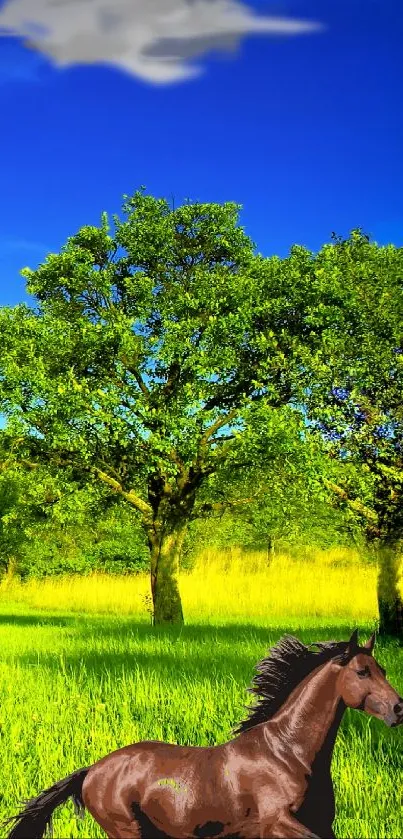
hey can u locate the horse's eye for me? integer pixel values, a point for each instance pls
(363, 673)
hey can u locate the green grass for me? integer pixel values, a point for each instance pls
(76, 684)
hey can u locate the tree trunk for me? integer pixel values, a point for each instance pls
(165, 548)
(390, 603)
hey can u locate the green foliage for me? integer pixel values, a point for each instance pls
(110, 542)
(50, 525)
(356, 402)
(11, 536)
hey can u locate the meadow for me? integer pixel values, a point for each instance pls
(83, 672)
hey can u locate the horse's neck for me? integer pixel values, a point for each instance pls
(309, 719)
(324, 756)
(333, 730)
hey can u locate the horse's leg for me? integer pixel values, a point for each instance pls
(286, 827)
(122, 831)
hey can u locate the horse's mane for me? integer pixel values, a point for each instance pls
(287, 664)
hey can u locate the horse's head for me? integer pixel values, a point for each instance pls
(362, 684)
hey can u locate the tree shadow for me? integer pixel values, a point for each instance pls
(52, 619)
(187, 654)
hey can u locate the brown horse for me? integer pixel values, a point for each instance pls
(272, 780)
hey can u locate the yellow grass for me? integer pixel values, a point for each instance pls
(225, 587)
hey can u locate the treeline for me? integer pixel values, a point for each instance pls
(49, 531)
(170, 366)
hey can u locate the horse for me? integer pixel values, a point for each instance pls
(271, 780)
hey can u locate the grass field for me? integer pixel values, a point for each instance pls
(83, 672)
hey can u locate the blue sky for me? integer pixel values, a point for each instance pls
(300, 122)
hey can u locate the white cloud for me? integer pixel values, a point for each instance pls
(151, 39)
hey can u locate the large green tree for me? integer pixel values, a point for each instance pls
(357, 402)
(144, 362)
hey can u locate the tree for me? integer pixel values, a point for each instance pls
(11, 538)
(149, 350)
(50, 525)
(22, 504)
(356, 403)
(283, 491)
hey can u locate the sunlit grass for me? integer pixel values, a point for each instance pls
(82, 672)
(221, 589)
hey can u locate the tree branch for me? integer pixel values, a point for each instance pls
(173, 375)
(219, 423)
(395, 474)
(355, 505)
(223, 439)
(128, 495)
(221, 506)
(134, 372)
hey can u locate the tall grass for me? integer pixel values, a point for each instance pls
(221, 589)
(82, 672)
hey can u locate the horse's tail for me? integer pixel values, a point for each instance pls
(31, 823)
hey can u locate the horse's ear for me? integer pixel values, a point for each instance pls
(370, 644)
(352, 646)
